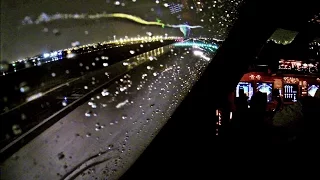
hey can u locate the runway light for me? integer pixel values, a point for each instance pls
(198, 53)
(53, 54)
(71, 55)
(33, 97)
(46, 55)
(201, 55)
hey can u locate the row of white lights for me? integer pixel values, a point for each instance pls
(121, 40)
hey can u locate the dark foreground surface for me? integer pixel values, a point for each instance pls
(104, 136)
(58, 95)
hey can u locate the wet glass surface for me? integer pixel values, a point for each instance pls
(88, 85)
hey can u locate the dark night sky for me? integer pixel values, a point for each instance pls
(19, 41)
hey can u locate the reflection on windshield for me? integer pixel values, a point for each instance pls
(44, 18)
(44, 26)
(87, 86)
